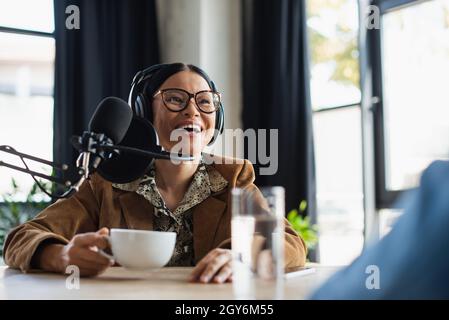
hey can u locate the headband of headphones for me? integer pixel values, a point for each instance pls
(140, 103)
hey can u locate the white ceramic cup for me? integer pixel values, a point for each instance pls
(142, 249)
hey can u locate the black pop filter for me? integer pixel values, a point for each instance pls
(128, 166)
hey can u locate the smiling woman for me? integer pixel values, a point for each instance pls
(190, 198)
(174, 112)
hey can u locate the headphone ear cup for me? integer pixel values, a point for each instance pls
(222, 120)
(137, 99)
(147, 112)
(219, 125)
(219, 120)
(139, 106)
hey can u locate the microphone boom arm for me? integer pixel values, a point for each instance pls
(153, 155)
(70, 177)
(87, 144)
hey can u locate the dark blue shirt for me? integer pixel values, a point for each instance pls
(412, 261)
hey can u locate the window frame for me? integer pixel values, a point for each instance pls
(27, 32)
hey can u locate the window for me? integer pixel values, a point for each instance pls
(36, 15)
(413, 52)
(26, 84)
(339, 184)
(335, 92)
(332, 31)
(405, 71)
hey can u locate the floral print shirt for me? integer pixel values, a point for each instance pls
(206, 181)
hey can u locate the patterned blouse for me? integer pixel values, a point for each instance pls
(206, 181)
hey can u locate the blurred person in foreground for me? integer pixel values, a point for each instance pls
(412, 261)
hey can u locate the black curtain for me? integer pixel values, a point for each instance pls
(276, 92)
(116, 39)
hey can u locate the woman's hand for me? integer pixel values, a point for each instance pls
(214, 267)
(82, 251)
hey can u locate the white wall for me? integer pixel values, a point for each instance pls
(206, 33)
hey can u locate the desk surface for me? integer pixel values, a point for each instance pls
(119, 283)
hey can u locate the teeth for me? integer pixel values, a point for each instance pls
(194, 127)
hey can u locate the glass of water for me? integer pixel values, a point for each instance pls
(258, 242)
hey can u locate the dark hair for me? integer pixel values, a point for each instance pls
(166, 71)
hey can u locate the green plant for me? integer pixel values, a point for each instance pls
(302, 225)
(14, 213)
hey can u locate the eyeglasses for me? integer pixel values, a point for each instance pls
(176, 100)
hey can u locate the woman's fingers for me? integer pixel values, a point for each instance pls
(223, 274)
(203, 264)
(94, 258)
(83, 251)
(92, 239)
(214, 265)
(88, 261)
(103, 231)
(87, 268)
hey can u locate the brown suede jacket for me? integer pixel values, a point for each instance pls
(97, 204)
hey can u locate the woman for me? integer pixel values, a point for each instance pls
(190, 198)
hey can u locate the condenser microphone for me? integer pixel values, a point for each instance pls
(107, 126)
(112, 118)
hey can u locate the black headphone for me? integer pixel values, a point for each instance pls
(139, 101)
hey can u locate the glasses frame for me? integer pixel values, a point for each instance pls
(191, 95)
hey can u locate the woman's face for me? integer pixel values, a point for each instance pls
(169, 123)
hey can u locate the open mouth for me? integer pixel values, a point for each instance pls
(190, 128)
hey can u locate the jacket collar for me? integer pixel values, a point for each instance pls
(136, 210)
(215, 180)
(206, 222)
